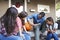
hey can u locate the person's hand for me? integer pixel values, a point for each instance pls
(53, 31)
(48, 30)
(27, 32)
(22, 35)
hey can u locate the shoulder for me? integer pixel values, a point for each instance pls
(34, 14)
(55, 24)
(18, 19)
(44, 18)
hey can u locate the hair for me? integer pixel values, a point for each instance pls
(42, 14)
(9, 19)
(50, 19)
(23, 14)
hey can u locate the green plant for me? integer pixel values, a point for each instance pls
(58, 6)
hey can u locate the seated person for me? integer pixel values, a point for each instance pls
(23, 18)
(9, 22)
(51, 29)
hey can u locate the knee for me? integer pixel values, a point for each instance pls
(28, 37)
(54, 34)
(49, 35)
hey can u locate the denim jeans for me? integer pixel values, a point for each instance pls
(37, 32)
(27, 36)
(50, 35)
(11, 37)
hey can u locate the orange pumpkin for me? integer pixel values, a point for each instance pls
(28, 26)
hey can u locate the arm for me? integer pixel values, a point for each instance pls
(19, 24)
(25, 20)
(48, 30)
(24, 28)
(44, 18)
(55, 27)
(25, 25)
(32, 24)
(29, 18)
(53, 31)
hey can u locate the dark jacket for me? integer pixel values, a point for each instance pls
(43, 27)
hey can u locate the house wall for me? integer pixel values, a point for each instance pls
(3, 7)
(33, 5)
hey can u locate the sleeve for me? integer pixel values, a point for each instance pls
(19, 23)
(30, 17)
(43, 27)
(44, 18)
(55, 26)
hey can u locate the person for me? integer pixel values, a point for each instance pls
(18, 6)
(9, 24)
(23, 16)
(58, 22)
(51, 29)
(38, 19)
(18, 21)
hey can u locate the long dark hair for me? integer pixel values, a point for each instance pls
(9, 19)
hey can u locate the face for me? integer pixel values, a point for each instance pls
(49, 22)
(39, 16)
(17, 5)
(23, 18)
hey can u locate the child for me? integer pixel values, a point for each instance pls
(51, 29)
(23, 16)
(9, 24)
(18, 21)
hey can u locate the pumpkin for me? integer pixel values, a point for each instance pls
(28, 26)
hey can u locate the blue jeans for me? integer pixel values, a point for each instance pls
(27, 36)
(11, 37)
(50, 35)
(37, 32)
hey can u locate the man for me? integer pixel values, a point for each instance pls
(38, 19)
(18, 6)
